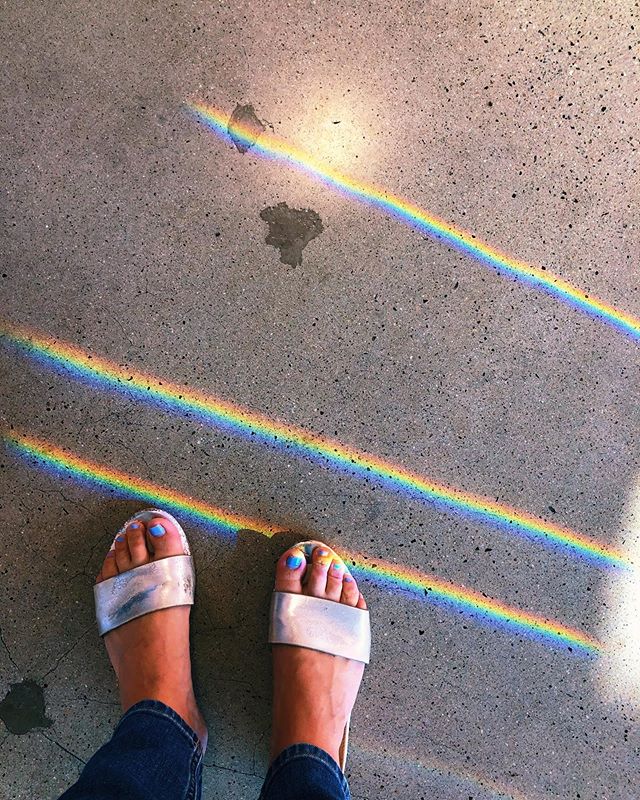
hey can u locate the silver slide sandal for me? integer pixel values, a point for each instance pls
(319, 624)
(164, 583)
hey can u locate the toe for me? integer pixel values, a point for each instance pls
(137, 544)
(361, 602)
(350, 592)
(334, 580)
(109, 568)
(290, 571)
(123, 558)
(163, 539)
(320, 562)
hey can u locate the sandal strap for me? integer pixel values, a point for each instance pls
(159, 584)
(319, 624)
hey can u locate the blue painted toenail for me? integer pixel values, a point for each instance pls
(293, 562)
(157, 530)
(348, 578)
(120, 538)
(135, 525)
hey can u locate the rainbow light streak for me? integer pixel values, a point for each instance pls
(415, 583)
(61, 461)
(445, 770)
(408, 580)
(328, 452)
(274, 147)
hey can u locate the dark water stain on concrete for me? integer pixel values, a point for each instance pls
(291, 230)
(246, 116)
(22, 709)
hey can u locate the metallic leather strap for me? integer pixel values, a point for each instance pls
(320, 625)
(160, 584)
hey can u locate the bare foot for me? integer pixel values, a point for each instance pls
(150, 654)
(313, 692)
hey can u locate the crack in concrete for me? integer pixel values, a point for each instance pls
(66, 653)
(87, 699)
(62, 747)
(64, 497)
(230, 769)
(94, 546)
(258, 743)
(4, 644)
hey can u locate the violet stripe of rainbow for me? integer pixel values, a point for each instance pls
(274, 147)
(224, 414)
(107, 477)
(474, 603)
(425, 587)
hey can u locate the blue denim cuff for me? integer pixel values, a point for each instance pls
(159, 708)
(294, 761)
(153, 753)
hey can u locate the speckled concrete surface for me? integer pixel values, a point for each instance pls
(134, 233)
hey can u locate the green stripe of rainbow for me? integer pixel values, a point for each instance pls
(276, 148)
(394, 575)
(223, 413)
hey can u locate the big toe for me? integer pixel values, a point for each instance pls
(163, 538)
(290, 571)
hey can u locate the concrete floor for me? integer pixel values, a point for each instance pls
(136, 234)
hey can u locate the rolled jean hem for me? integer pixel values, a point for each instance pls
(303, 752)
(153, 754)
(162, 710)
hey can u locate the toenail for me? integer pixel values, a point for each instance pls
(134, 525)
(348, 578)
(157, 530)
(293, 562)
(120, 538)
(323, 552)
(337, 566)
(111, 553)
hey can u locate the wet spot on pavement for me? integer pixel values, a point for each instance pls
(291, 230)
(22, 709)
(245, 116)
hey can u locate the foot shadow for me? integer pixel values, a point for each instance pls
(230, 654)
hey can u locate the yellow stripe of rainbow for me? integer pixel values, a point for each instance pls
(326, 451)
(392, 575)
(274, 147)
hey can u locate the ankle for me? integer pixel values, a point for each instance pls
(316, 726)
(320, 739)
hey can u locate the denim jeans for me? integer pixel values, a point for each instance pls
(154, 755)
